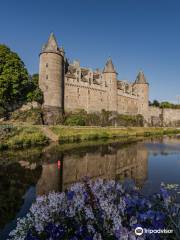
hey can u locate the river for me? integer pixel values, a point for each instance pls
(29, 173)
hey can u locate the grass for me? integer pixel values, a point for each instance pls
(23, 137)
(26, 135)
(80, 134)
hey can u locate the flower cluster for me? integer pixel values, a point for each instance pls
(97, 210)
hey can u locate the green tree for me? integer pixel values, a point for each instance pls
(13, 79)
(156, 103)
(34, 92)
(166, 105)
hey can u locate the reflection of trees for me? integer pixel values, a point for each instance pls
(14, 182)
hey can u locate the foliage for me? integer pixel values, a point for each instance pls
(2, 112)
(155, 103)
(27, 137)
(34, 92)
(13, 79)
(168, 105)
(75, 120)
(77, 134)
(23, 137)
(165, 104)
(7, 131)
(104, 118)
(33, 116)
(96, 210)
(127, 120)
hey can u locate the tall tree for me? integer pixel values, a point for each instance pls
(156, 103)
(34, 92)
(14, 79)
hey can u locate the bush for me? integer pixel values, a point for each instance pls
(26, 139)
(21, 137)
(75, 120)
(33, 116)
(127, 120)
(104, 118)
(2, 112)
(7, 131)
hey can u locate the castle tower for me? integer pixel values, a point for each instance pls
(142, 89)
(51, 79)
(141, 173)
(110, 78)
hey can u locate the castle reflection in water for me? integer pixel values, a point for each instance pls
(106, 161)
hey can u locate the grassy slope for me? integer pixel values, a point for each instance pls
(24, 136)
(74, 134)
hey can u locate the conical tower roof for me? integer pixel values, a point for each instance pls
(109, 67)
(141, 78)
(52, 44)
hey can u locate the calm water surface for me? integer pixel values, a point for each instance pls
(26, 174)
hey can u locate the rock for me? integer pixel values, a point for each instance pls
(29, 106)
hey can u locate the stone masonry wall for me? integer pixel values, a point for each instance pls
(164, 117)
(171, 117)
(127, 105)
(90, 99)
(94, 98)
(155, 116)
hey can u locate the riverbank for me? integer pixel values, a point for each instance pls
(80, 134)
(24, 136)
(21, 137)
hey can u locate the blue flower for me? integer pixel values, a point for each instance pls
(54, 231)
(164, 193)
(70, 195)
(31, 237)
(88, 238)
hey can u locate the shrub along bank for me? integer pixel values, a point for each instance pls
(14, 137)
(104, 118)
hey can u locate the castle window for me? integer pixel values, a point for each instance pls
(46, 76)
(47, 65)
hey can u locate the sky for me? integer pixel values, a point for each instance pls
(136, 34)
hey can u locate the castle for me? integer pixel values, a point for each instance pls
(70, 87)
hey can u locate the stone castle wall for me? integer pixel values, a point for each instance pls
(171, 117)
(127, 104)
(69, 87)
(94, 91)
(164, 117)
(94, 98)
(82, 96)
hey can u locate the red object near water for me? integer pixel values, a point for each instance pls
(59, 164)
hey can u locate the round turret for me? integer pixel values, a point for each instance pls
(51, 75)
(110, 78)
(142, 88)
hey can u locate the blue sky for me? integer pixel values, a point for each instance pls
(137, 34)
